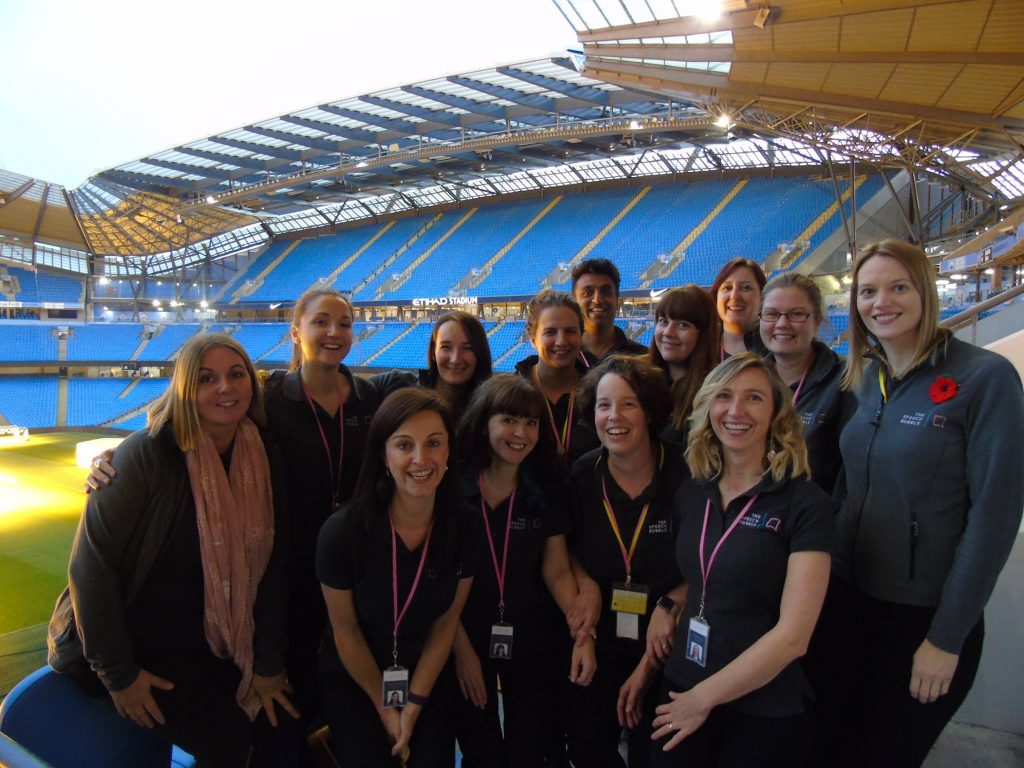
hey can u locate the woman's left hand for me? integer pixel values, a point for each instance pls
(931, 673)
(661, 630)
(407, 721)
(271, 689)
(681, 716)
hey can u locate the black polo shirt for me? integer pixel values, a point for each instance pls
(354, 553)
(747, 578)
(593, 542)
(582, 437)
(533, 522)
(311, 470)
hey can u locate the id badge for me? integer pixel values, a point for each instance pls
(627, 625)
(629, 598)
(395, 687)
(697, 642)
(501, 641)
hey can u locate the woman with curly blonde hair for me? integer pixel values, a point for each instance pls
(753, 540)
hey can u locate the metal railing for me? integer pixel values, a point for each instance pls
(970, 317)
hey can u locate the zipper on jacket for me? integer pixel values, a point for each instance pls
(915, 529)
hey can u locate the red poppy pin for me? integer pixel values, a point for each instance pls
(942, 389)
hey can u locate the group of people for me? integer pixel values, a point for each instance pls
(633, 545)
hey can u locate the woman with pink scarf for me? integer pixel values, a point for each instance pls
(176, 598)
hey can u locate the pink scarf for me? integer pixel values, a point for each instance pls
(234, 512)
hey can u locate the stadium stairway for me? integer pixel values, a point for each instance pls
(678, 253)
(820, 221)
(397, 283)
(333, 277)
(473, 280)
(248, 289)
(390, 344)
(376, 272)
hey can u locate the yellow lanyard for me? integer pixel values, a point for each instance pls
(627, 557)
(561, 441)
(882, 386)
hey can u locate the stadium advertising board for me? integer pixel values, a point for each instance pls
(447, 301)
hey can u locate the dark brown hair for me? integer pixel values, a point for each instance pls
(596, 267)
(548, 299)
(646, 380)
(301, 305)
(507, 393)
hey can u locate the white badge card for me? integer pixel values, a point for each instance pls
(501, 641)
(396, 687)
(629, 598)
(697, 642)
(627, 625)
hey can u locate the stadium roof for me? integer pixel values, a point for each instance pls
(932, 84)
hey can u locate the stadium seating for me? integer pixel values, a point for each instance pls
(104, 341)
(383, 247)
(92, 402)
(28, 341)
(41, 286)
(260, 263)
(29, 401)
(166, 343)
(422, 244)
(380, 335)
(411, 352)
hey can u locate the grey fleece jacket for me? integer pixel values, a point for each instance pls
(934, 491)
(118, 539)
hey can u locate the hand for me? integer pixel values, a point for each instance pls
(101, 471)
(137, 702)
(470, 675)
(271, 689)
(584, 662)
(684, 714)
(631, 695)
(585, 610)
(391, 719)
(407, 721)
(931, 673)
(660, 631)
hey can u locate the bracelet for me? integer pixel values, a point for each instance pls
(415, 698)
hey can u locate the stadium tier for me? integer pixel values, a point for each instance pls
(28, 341)
(98, 341)
(29, 401)
(167, 341)
(39, 286)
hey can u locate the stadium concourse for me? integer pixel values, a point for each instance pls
(790, 132)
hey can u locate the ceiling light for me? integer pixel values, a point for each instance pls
(724, 120)
(211, 199)
(847, 280)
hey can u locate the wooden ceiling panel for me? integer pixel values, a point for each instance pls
(806, 36)
(981, 88)
(800, 76)
(920, 83)
(748, 73)
(1004, 32)
(752, 40)
(59, 225)
(858, 79)
(880, 31)
(933, 26)
(19, 215)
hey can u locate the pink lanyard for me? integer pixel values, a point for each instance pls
(800, 386)
(394, 582)
(705, 572)
(334, 483)
(498, 572)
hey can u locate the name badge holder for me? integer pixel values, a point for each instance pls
(395, 679)
(500, 645)
(698, 634)
(629, 600)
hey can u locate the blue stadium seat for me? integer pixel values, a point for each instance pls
(51, 717)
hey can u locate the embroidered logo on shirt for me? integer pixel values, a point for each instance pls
(658, 526)
(939, 421)
(762, 521)
(913, 419)
(537, 523)
(518, 524)
(352, 421)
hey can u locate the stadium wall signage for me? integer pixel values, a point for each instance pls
(447, 301)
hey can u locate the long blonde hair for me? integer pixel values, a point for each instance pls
(785, 434)
(177, 405)
(929, 335)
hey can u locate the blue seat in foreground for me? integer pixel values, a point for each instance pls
(51, 717)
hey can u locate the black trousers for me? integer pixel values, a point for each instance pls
(594, 730)
(358, 737)
(730, 739)
(201, 714)
(859, 664)
(528, 689)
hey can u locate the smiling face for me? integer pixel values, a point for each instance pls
(675, 339)
(741, 412)
(784, 337)
(888, 303)
(324, 331)
(597, 297)
(512, 437)
(223, 392)
(739, 299)
(454, 354)
(620, 419)
(558, 337)
(416, 455)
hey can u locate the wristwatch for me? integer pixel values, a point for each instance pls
(667, 603)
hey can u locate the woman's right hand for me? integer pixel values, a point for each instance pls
(585, 610)
(392, 721)
(137, 702)
(470, 674)
(101, 471)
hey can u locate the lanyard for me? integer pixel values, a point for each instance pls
(561, 441)
(498, 572)
(583, 357)
(706, 571)
(627, 556)
(398, 616)
(800, 386)
(882, 386)
(333, 483)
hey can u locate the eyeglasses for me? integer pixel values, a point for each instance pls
(794, 315)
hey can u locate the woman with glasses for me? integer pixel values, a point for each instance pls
(791, 314)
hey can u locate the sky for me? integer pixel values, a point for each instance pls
(90, 85)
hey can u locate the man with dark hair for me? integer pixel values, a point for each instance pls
(595, 286)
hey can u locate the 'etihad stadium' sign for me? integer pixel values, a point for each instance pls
(446, 301)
